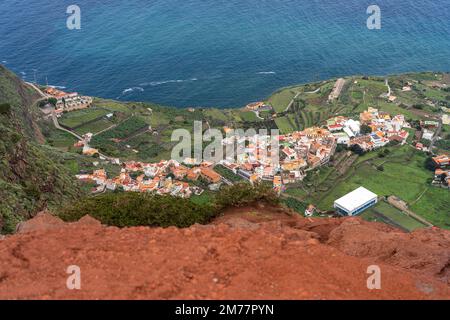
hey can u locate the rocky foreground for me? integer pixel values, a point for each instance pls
(249, 253)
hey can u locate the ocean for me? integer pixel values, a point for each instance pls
(221, 53)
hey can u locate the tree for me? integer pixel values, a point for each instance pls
(52, 101)
(340, 148)
(430, 164)
(356, 148)
(365, 129)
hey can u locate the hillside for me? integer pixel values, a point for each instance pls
(39, 162)
(249, 253)
(31, 176)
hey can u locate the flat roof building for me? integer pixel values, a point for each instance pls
(356, 202)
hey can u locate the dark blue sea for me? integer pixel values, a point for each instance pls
(222, 53)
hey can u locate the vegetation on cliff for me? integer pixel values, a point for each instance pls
(137, 209)
(31, 175)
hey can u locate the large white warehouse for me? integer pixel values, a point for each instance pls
(356, 202)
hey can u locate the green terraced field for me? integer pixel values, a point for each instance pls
(385, 212)
(77, 118)
(94, 127)
(281, 99)
(284, 125)
(404, 176)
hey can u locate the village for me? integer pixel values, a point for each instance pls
(300, 152)
(326, 155)
(65, 102)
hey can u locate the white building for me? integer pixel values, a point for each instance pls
(356, 202)
(378, 141)
(428, 134)
(349, 132)
(352, 126)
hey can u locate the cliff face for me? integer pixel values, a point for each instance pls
(31, 175)
(247, 254)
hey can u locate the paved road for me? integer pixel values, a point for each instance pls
(436, 135)
(296, 96)
(292, 102)
(258, 116)
(389, 87)
(55, 119)
(42, 94)
(58, 126)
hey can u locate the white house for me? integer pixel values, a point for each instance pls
(354, 126)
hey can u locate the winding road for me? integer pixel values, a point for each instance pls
(42, 94)
(58, 126)
(55, 119)
(296, 96)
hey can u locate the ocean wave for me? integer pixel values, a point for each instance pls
(158, 83)
(130, 91)
(267, 72)
(4, 62)
(23, 73)
(133, 89)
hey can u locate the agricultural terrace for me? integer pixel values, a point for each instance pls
(402, 173)
(416, 98)
(384, 212)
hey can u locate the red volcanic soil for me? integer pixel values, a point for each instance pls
(249, 253)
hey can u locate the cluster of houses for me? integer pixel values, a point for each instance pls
(84, 144)
(68, 101)
(427, 134)
(442, 173)
(299, 152)
(163, 178)
(383, 129)
(258, 106)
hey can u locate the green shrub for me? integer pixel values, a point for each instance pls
(243, 194)
(137, 209)
(5, 108)
(295, 205)
(365, 129)
(130, 209)
(430, 164)
(52, 101)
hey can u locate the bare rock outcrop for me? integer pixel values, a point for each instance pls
(43, 221)
(426, 251)
(240, 256)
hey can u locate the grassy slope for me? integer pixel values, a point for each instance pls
(404, 176)
(31, 176)
(357, 95)
(387, 213)
(407, 180)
